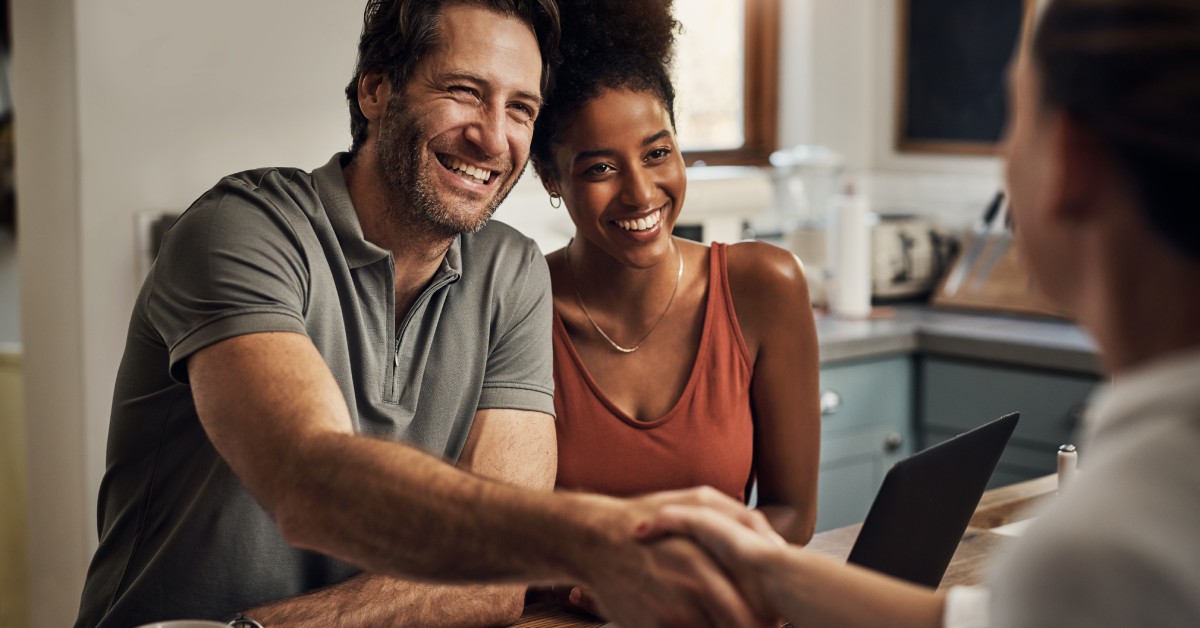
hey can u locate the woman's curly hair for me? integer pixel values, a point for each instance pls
(606, 44)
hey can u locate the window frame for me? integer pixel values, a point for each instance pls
(760, 91)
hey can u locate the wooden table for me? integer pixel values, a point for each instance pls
(969, 566)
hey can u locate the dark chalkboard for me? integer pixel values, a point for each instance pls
(952, 59)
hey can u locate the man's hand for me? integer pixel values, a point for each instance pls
(584, 599)
(669, 581)
(743, 553)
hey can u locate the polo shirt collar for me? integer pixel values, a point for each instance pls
(335, 196)
(452, 262)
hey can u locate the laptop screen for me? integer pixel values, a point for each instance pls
(926, 502)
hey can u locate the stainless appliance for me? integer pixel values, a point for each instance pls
(909, 254)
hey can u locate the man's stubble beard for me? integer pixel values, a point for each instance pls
(414, 200)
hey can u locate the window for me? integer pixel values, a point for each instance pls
(726, 79)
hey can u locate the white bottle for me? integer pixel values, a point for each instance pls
(1068, 461)
(850, 283)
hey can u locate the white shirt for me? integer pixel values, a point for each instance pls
(1121, 547)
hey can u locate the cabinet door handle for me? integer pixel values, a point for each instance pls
(892, 442)
(831, 402)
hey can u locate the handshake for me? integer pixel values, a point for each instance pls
(692, 557)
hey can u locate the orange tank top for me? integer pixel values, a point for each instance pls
(707, 438)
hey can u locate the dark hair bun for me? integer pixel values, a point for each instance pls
(615, 38)
(606, 44)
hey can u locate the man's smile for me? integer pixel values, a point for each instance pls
(465, 170)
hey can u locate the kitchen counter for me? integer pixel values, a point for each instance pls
(1020, 341)
(969, 566)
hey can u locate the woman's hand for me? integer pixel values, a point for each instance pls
(779, 580)
(704, 499)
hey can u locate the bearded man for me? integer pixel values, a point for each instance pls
(431, 323)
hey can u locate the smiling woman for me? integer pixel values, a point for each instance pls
(675, 364)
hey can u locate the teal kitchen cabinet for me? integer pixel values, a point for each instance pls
(866, 426)
(957, 395)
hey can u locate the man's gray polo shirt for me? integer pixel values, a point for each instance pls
(282, 250)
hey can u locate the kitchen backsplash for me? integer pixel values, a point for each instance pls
(955, 200)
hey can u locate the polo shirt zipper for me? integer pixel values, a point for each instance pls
(418, 304)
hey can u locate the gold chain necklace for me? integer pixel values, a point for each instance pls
(579, 299)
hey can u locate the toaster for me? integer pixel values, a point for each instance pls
(909, 255)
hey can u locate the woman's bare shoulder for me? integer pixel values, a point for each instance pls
(762, 267)
(768, 288)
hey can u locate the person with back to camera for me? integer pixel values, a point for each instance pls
(675, 364)
(1102, 151)
(313, 354)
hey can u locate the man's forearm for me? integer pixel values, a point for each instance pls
(510, 446)
(432, 521)
(372, 600)
(274, 412)
(435, 522)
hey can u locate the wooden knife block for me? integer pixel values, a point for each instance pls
(1009, 287)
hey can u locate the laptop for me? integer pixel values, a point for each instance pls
(926, 502)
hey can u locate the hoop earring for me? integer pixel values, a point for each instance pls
(555, 200)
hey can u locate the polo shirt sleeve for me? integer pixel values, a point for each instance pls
(231, 265)
(519, 373)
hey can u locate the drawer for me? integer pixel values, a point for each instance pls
(852, 468)
(864, 394)
(957, 396)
